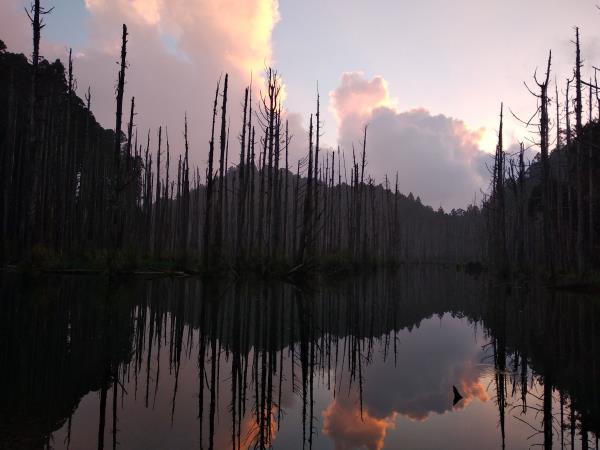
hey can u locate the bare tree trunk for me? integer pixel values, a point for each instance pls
(209, 187)
(361, 193)
(306, 237)
(223, 143)
(241, 216)
(316, 170)
(185, 219)
(548, 261)
(498, 205)
(580, 243)
(157, 202)
(117, 222)
(31, 159)
(286, 193)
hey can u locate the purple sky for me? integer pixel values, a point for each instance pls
(428, 76)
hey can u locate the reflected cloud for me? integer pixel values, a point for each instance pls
(343, 422)
(440, 355)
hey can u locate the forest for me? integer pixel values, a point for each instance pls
(77, 195)
(543, 217)
(161, 291)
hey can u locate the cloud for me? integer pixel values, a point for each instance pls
(356, 97)
(238, 32)
(343, 422)
(436, 156)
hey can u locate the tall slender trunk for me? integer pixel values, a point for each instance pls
(548, 260)
(223, 143)
(241, 216)
(580, 242)
(306, 239)
(157, 228)
(31, 158)
(286, 193)
(117, 222)
(207, 256)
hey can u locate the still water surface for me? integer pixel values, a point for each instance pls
(366, 363)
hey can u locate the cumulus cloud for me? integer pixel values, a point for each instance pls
(342, 420)
(356, 97)
(436, 156)
(235, 32)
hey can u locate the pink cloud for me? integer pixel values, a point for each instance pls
(357, 96)
(342, 422)
(436, 156)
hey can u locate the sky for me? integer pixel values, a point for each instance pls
(426, 76)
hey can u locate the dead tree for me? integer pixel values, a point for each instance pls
(498, 205)
(286, 193)
(223, 144)
(306, 237)
(241, 216)
(544, 147)
(580, 243)
(31, 158)
(157, 202)
(209, 186)
(117, 222)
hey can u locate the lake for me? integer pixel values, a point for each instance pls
(418, 358)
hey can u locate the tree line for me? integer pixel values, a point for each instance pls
(72, 190)
(543, 217)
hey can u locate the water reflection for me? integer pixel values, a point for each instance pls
(365, 363)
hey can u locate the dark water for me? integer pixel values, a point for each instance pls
(363, 364)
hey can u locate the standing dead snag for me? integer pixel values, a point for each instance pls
(209, 186)
(498, 206)
(316, 163)
(223, 144)
(120, 90)
(129, 170)
(249, 181)
(130, 133)
(261, 191)
(117, 222)
(521, 210)
(306, 237)
(241, 216)
(157, 201)
(580, 244)
(544, 145)
(286, 193)
(276, 224)
(165, 216)
(558, 229)
(362, 228)
(185, 208)
(31, 158)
